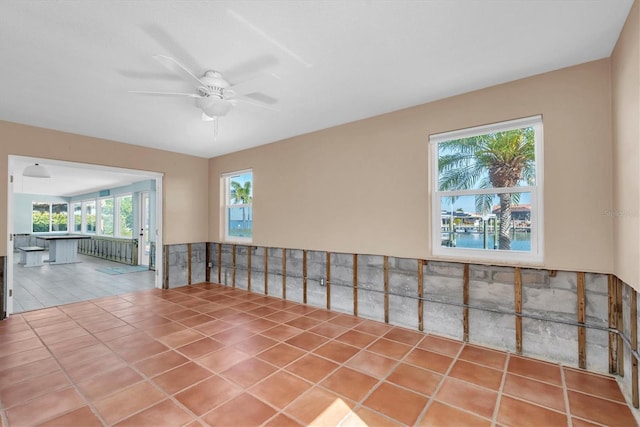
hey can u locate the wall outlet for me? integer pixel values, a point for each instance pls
(322, 281)
(210, 264)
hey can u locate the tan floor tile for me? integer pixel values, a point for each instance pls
(372, 364)
(349, 383)
(598, 385)
(210, 393)
(311, 367)
(165, 413)
(307, 341)
(336, 351)
(248, 372)
(356, 338)
(463, 395)
(181, 377)
(319, 407)
(429, 360)
(13, 375)
(414, 378)
(222, 359)
(281, 420)
(281, 332)
(397, 403)
(161, 363)
(537, 392)
(600, 410)
(24, 391)
(484, 356)
(442, 345)
(363, 417)
(477, 374)
(109, 382)
(442, 415)
(80, 417)
(541, 371)
(281, 354)
(255, 344)
(388, 348)
(45, 407)
(280, 389)
(200, 348)
(329, 330)
(515, 412)
(243, 410)
(128, 401)
(404, 336)
(72, 345)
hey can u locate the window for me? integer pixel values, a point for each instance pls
(487, 188)
(47, 217)
(76, 208)
(106, 217)
(125, 215)
(238, 213)
(89, 208)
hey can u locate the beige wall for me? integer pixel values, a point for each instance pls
(626, 136)
(363, 187)
(185, 186)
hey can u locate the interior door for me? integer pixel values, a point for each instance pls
(145, 241)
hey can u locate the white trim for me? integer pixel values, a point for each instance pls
(533, 257)
(532, 121)
(225, 204)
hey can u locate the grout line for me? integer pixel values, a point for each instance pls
(565, 394)
(496, 409)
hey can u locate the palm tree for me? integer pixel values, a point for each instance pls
(494, 160)
(241, 194)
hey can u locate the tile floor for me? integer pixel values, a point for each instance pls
(212, 355)
(51, 285)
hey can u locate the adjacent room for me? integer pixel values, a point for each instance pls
(320, 213)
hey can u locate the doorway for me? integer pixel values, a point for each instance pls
(74, 179)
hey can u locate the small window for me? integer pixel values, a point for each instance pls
(125, 216)
(89, 208)
(76, 208)
(106, 216)
(47, 217)
(238, 212)
(487, 187)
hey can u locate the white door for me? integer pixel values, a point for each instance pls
(145, 241)
(7, 304)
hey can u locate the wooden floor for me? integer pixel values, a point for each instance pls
(211, 355)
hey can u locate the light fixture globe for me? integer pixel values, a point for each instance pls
(214, 106)
(36, 171)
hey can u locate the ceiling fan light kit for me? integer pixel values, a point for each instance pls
(213, 94)
(36, 171)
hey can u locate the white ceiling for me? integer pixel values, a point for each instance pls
(68, 65)
(70, 179)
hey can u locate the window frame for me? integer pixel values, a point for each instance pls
(533, 257)
(225, 182)
(50, 204)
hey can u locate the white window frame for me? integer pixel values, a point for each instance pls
(117, 232)
(84, 203)
(51, 230)
(99, 216)
(225, 180)
(72, 215)
(533, 257)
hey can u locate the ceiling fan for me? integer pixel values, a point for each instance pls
(215, 95)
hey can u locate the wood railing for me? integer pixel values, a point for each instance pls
(114, 249)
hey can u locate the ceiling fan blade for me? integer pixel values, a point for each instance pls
(244, 100)
(171, 62)
(259, 84)
(147, 92)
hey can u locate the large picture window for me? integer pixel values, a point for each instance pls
(238, 212)
(49, 217)
(487, 187)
